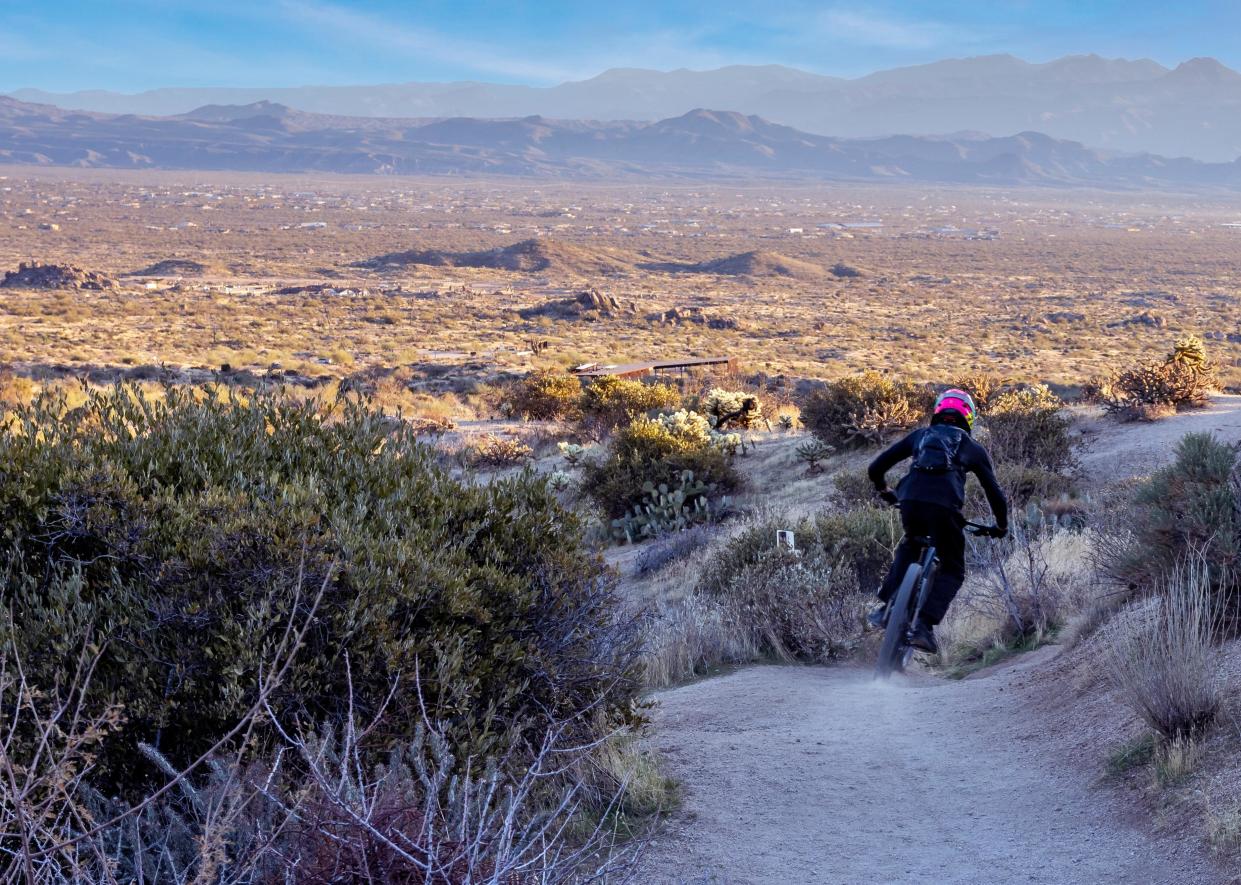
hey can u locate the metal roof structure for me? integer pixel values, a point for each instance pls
(634, 370)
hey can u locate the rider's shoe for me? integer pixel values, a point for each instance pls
(922, 637)
(878, 617)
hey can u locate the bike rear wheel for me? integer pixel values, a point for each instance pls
(892, 651)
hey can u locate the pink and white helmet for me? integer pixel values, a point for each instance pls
(958, 401)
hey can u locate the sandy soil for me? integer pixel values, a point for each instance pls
(815, 775)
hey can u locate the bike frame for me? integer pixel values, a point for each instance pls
(930, 567)
(896, 650)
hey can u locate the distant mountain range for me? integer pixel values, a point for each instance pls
(1193, 110)
(700, 144)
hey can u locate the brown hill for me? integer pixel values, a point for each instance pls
(760, 263)
(174, 267)
(528, 256)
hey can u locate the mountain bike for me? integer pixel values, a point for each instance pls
(895, 651)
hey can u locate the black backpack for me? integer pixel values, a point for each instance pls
(937, 449)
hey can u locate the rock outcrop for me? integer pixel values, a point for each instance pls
(588, 304)
(696, 315)
(36, 275)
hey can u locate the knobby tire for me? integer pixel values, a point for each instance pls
(892, 649)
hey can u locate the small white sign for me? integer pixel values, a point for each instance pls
(785, 540)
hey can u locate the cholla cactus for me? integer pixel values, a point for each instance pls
(732, 408)
(812, 451)
(575, 454)
(1184, 380)
(688, 426)
(729, 443)
(1190, 351)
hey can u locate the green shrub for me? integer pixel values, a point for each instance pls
(863, 538)
(610, 401)
(1022, 486)
(657, 451)
(1189, 508)
(854, 488)
(1028, 426)
(865, 409)
(183, 535)
(546, 395)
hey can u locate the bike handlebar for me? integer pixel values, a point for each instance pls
(983, 531)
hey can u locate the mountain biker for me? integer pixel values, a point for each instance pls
(931, 498)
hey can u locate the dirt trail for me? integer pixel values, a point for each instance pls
(819, 775)
(1112, 450)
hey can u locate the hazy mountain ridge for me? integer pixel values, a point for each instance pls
(1193, 109)
(703, 143)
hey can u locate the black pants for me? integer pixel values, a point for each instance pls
(946, 527)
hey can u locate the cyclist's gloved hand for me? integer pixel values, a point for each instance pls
(887, 495)
(999, 531)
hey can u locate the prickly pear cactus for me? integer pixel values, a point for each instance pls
(665, 509)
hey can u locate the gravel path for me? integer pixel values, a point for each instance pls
(817, 775)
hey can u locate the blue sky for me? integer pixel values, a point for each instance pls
(131, 45)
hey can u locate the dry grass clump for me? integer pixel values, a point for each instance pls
(664, 551)
(492, 450)
(1224, 829)
(1162, 656)
(1023, 590)
(15, 390)
(1183, 380)
(691, 635)
(318, 809)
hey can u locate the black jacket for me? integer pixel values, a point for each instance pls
(944, 489)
